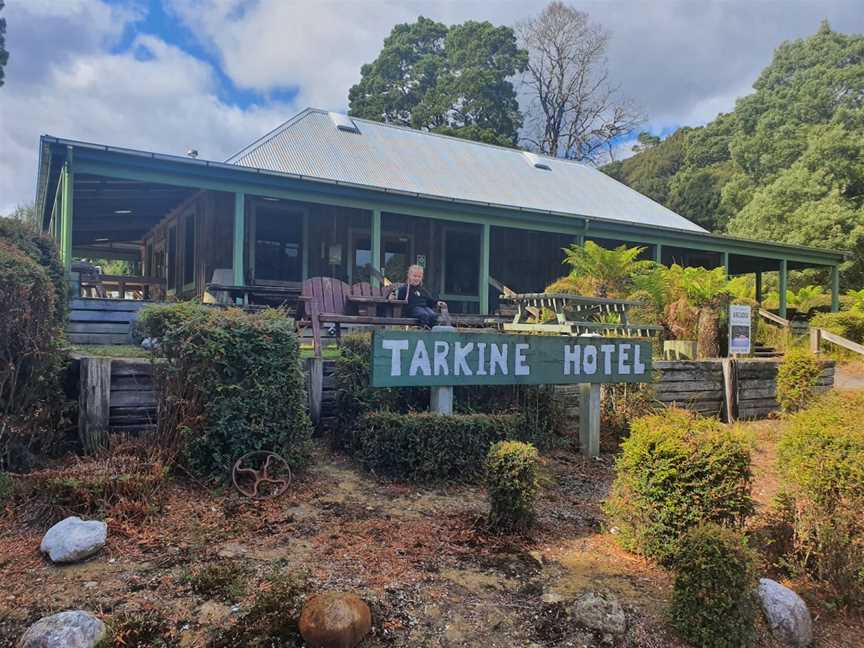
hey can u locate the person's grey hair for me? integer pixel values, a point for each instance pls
(414, 267)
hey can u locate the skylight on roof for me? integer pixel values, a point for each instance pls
(343, 122)
(536, 161)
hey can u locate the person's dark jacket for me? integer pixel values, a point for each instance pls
(416, 296)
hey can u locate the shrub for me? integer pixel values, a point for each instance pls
(821, 458)
(712, 601)
(622, 404)
(355, 397)
(30, 357)
(677, 469)
(155, 320)
(43, 250)
(226, 580)
(108, 486)
(796, 380)
(231, 383)
(848, 324)
(425, 447)
(511, 477)
(272, 618)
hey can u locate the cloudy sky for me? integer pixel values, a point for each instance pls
(168, 75)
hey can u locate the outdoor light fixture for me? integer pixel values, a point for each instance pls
(100, 240)
(269, 198)
(122, 211)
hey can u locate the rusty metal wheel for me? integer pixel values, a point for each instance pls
(261, 475)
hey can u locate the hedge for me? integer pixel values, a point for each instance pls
(797, 376)
(355, 397)
(31, 357)
(676, 470)
(821, 459)
(231, 383)
(713, 602)
(848, 324)
(425, 447)
(512, 481)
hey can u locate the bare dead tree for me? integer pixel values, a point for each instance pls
(574, 110)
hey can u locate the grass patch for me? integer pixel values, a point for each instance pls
(226, 581)
(110, 350)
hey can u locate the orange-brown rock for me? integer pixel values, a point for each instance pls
(335, 620)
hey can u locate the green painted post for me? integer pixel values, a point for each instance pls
(239, 237)
(484, 269)
(376, 244)
(658, 253)
(307, 252)
(724, 260)
(759, 287)
(783, 283)
(68, 180)
(835, 289)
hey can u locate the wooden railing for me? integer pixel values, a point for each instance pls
(772, 317)
(818, 335)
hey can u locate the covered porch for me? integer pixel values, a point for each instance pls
(183, 225)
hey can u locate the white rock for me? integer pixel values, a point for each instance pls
(600, 612)
(786, 613)
(70, 629)
(74, 539)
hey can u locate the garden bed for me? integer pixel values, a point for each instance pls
(433, 576)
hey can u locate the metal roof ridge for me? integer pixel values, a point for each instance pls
(231, 159)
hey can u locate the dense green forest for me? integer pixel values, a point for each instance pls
(786, 165)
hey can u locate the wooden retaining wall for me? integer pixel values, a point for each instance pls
(117, 395)
(102, 321)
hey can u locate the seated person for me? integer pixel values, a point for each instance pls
(421, 303)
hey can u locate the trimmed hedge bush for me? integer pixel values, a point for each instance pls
(676, 470)
(232, 383)
(31, 357)
(43, 250)
(848, 324)
(355, 398)
(713, 602)
(796, 380)
(821, 458)
(424, 447)
(511, 478)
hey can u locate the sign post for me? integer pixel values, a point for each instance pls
(739, 329)
(443, 357)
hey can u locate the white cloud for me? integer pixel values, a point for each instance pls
(165, 102)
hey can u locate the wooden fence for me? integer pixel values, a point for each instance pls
(102, 321)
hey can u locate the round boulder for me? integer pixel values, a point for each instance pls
(786, 613)
(600, 612)
(73, 539)
(335, 620)
(70, 629)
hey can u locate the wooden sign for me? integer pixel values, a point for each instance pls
(437, 358)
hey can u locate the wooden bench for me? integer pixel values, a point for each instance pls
(327, 300)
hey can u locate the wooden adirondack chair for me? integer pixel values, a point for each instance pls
(331, 301)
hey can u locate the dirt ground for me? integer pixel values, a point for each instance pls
(420, 556)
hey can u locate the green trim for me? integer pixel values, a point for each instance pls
(784, 280)
(724, 261)
(759, 287)
(222, 178)
(375, 237)
(68, 180)
(658, 253)
(306, 251)
(484, 269)
(835, 289)
(239, 232)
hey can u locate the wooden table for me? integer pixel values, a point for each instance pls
(574, 315)
(368, 305)
(122, 284)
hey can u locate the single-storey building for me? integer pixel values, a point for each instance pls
(329, 195)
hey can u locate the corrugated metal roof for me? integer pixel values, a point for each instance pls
(402, 159)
